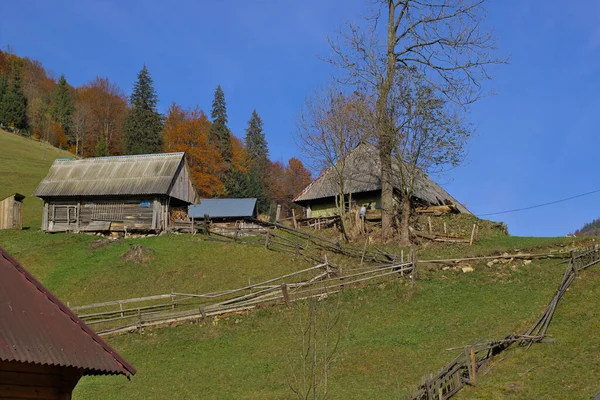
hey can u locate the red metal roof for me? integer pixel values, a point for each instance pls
(36, 327)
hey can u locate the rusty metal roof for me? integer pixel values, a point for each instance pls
(362, 173)
(36, 327)
(120, 175)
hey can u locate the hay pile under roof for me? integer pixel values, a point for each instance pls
(362, 173)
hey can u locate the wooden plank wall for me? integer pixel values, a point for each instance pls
(10, 213)
(122, 214)
(32, 381)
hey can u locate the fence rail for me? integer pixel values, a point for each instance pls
(475, 358)
(129, 315)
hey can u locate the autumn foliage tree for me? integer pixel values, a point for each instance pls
(187, 131)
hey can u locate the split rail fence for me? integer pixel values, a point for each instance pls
(474, 360)
(130, 315)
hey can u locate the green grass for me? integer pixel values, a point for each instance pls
(396, 333)
(23, 164)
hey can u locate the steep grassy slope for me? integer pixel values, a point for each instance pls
(23, 164)
(395, 333)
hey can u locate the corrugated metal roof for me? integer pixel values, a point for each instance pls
(121, 175)
(362, 173)
(36, 327)
(223, 208)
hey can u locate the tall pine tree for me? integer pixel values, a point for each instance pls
(258, 154)
(142, 128)
(14, 104)
(219, 132)
(62, 107)
(3, 90)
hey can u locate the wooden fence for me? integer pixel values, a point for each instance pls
(474, 360)
(130, 315)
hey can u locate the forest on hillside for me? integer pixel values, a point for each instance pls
(589, 229)
(98, 119)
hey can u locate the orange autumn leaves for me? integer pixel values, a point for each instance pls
(187, 131)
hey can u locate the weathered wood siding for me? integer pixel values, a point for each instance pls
(32, 381)
(105, 214)
(11, 213)
(182, 187)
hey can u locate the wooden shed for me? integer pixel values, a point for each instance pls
(117, 194)
(362, 186)
(44, 347)
(11, 212)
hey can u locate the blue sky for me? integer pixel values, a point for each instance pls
(536, 137)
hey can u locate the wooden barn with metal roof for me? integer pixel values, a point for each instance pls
(117, 194)
(362, 184)
(44, 347)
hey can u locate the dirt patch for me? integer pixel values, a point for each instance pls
(102, 243)
(138, 254)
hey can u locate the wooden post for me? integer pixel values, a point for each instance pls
(140, 321)
(472, 235)
(202, 311)
(413, 275)
(477, 233)
(286, 295)
(193, 230)
(402, 256)
(278, 212)
(473, 369)
(294, 218)
(121, 308)
(445, 231)
(364, 251)
(267, 240)
(572, 262)
(429, 222)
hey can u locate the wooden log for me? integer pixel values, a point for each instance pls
(472, 235)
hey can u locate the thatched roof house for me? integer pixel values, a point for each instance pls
(362, 179)
(115, 193)
(44, 348)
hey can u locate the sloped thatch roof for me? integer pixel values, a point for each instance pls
(362, 173)
(121, 175)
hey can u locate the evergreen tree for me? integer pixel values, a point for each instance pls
(258, 153)
(102, 147)
(62, 107)
(14, 104)
(3, 90)
(219, 133)
(142, 128)
(255, 139)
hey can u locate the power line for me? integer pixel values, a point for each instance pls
(540, 205)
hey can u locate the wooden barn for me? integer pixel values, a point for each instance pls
(116, 194)
(362, 186)
(44, 347)
(11, 212)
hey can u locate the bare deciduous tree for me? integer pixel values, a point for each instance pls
(330, 126)
(319, 327)
(442, 42)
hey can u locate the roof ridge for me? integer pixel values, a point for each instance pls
(125, 366)
(173, 154)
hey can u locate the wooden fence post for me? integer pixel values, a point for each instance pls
(267, 240)
(286, 295)
(472, 235)
(413, 275)
(473, 369)
(140, 321)
(429, 222)
(294, 218)
(572, 262)
(445, 232)
(202, 311)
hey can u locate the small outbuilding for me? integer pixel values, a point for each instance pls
(44, 347)
(11, 212)
(116, 194)
(224, 210)
(361, 174)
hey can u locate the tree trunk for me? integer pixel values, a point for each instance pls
(404, 220)
(386, 140)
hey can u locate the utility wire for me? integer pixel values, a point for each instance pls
(540, 205)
